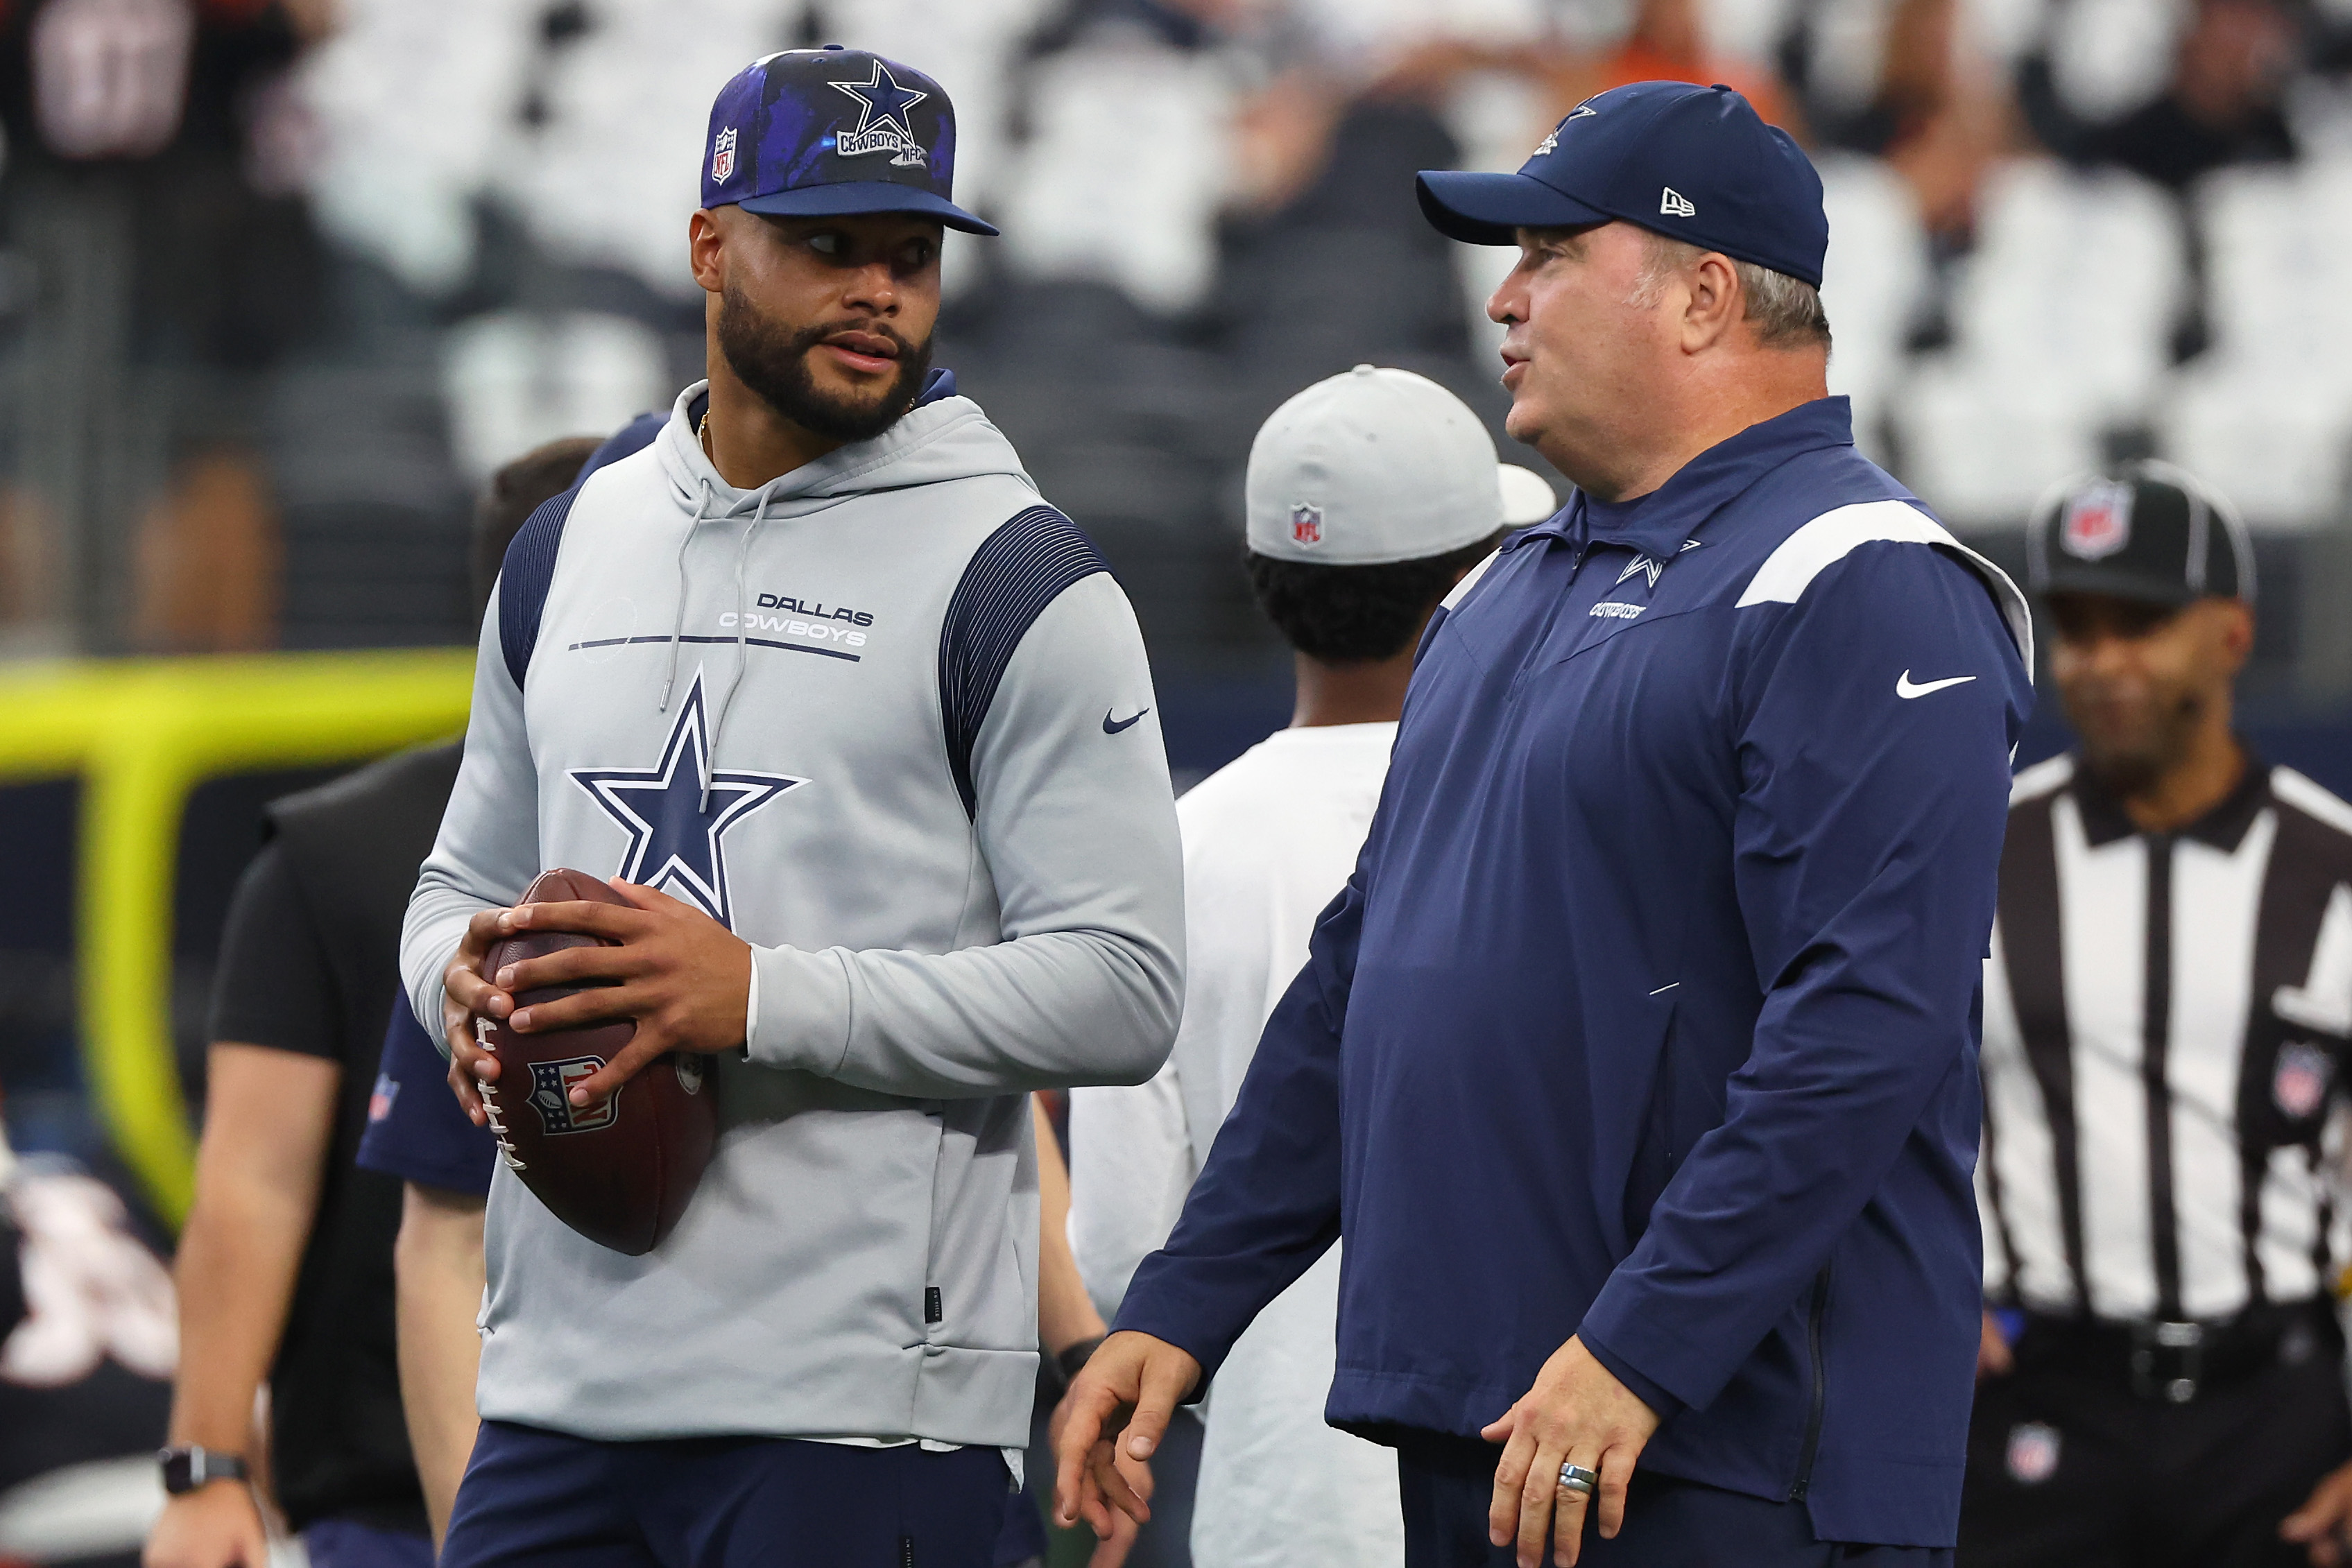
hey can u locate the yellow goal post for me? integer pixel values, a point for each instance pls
(140, 734)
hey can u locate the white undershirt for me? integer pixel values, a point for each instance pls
(1268, 841)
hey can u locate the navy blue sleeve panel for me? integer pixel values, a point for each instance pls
(530, 565)
(1017, 572)
(416, 1130)
(1267, 1203)
(1866, 841)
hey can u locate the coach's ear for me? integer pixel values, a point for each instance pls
(706, 249)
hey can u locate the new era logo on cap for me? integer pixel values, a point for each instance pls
(1672, 204)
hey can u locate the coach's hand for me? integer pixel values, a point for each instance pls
(2323, 1525)
(1577, 1414)
(684, 977)
(1128, 1389)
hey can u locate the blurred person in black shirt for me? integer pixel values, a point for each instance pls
(286, 1266)
(2224, 104)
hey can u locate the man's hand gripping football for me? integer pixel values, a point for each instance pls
(684, 977)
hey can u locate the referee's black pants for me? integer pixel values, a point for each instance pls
(2069, 1468)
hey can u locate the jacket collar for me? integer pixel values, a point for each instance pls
(1656, 525)
(2225, 827)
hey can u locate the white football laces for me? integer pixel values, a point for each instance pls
(489, 1093)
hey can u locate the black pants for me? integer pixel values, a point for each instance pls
(2073, 1471)
(1445, 1485)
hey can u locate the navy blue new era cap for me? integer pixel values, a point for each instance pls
(1692, 162)
(830, 131)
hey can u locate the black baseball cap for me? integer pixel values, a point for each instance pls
(2146, 531)
(830, 131)
(1694, 163)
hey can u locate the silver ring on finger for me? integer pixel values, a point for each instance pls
(1578, 1479)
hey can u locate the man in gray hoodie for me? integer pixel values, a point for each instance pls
(863, 732)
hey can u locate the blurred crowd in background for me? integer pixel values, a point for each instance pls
(282, 279)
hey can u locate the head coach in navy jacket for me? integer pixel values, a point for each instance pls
(1637, 1063)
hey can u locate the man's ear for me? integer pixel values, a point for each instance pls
(1715, 304)
(706, 250)
(2237, 633)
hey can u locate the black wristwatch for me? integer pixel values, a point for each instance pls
(186, 1468)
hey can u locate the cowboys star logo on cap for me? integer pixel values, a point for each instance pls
(722, 155)
(882, 123)
(1306, 524)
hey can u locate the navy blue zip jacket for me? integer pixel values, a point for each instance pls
(1651, 1012)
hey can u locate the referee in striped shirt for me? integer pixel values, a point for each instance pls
(2166, 1011)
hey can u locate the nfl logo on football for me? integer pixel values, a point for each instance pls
(551, 1091)
(1306, 524)
(722, 155)
(2098, 522)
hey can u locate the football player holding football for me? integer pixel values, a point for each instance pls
(864, 731)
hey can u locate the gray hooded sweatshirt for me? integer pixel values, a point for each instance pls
(889, 718)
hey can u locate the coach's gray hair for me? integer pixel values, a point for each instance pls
(1787, 310)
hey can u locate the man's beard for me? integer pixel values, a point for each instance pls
(774, 363)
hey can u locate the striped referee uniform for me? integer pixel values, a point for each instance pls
(2163, 1017)
(2165, 1020)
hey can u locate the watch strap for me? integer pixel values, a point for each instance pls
(189, 1466)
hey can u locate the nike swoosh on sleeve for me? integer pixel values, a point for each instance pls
(1111, 728)
(1904, 689)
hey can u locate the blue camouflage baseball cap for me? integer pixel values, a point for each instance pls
(830, 131)
(1695, 163)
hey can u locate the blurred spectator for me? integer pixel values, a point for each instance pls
(2226, 100)
(1669, 43)
(148, 198)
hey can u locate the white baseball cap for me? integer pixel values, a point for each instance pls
(1380, 466)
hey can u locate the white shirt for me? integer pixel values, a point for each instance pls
(1269, 841)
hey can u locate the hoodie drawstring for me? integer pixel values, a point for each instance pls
(743, 650)
(678, 627)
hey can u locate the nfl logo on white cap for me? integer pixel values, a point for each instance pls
(1306, 524)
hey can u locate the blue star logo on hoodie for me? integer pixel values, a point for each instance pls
(676, 828)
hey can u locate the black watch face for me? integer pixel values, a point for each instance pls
(176, 1466)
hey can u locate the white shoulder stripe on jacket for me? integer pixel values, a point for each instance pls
(1828, 539)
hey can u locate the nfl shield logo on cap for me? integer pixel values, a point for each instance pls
(2097, 522)
(722, 156)
(1306, 524)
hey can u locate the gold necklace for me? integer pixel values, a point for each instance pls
(702, 434)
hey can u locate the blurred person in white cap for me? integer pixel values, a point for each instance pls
(1370, 495)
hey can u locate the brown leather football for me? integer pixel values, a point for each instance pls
(620, 1173)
